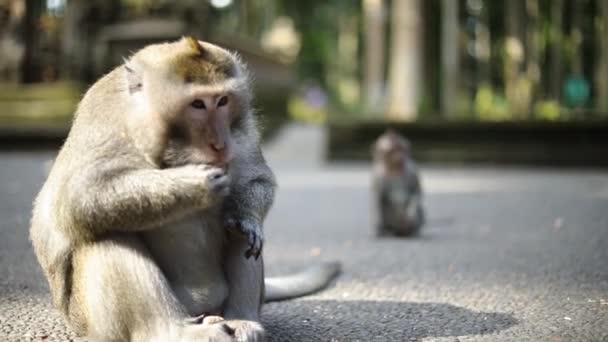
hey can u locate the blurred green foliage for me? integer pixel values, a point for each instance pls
(555, 76)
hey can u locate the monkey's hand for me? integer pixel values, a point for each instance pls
(251, 229)
(208, 183)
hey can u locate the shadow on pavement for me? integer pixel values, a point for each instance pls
(331, 320)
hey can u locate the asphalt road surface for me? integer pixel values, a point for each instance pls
(507, 255)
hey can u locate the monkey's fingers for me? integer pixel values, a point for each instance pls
(255, 239)
(251, 231)
(259, 246)
(256, 243)
(212, 320)
(205, 318)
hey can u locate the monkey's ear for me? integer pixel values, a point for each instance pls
(134, 78)
(194, 45)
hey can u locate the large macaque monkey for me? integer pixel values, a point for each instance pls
(149, 226)
(397, 189)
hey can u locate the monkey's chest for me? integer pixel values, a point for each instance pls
(397, 193)
(189, 254)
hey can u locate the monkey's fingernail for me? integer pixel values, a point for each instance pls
(228, 329)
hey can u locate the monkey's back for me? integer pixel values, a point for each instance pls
(53, 233)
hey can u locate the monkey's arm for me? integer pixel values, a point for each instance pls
(253, 186)
(251, 195)
(415, 211)
(127, 199)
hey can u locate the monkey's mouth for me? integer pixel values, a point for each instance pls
(223, 161)
(221, 164)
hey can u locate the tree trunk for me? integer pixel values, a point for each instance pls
(31, 62)
(576, 35)
(483, 46)
(601, 75)
(373, 76)
(348, 45)
(557, 10)
(74, 40)
(450, 63)
(406, 69)
(533, 47)
(517, 88)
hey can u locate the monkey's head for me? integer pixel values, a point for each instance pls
(392, 150)
(188, 97)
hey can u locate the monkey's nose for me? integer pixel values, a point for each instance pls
(216, 147)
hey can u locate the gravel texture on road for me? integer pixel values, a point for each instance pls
(507, 254)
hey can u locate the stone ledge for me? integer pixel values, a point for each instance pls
(525, 143)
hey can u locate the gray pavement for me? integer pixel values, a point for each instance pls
(508, 254)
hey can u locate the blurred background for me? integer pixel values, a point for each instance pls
(498, 97)
(523, 81)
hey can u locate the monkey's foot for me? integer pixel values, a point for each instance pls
(247, 331)
(205, 318)
(216, 328)
(252, 231)
(213, 329)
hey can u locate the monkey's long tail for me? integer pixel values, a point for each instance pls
(310, 280)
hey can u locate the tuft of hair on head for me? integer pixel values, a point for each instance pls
(194, 45)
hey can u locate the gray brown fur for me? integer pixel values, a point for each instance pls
(131, 233)
(396, 187)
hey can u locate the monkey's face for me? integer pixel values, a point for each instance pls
(201, 133)
(396, 156)
(199, 92)
(392, 151)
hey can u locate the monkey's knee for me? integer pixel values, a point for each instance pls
(116, 287)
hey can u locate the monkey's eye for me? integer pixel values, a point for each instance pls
(198, 104)
(223, 101)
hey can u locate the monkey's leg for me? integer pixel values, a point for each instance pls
(382, 228)
(245, 285)
(385, 220)
(414, 216)
(120, 294)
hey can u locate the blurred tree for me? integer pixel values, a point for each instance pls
(345, 72)
(31, 60)
(576, 37)
(517, 86)
(533, 46)
(82, 19)
(406, 64)
(11, 39)
(482, 47)
(373, 75)
(555, 82)
(450, 61)
(601, 68)
(314, 24)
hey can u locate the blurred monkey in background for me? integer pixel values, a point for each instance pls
(396, 187)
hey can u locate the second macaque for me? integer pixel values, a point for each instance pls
(397, 190)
